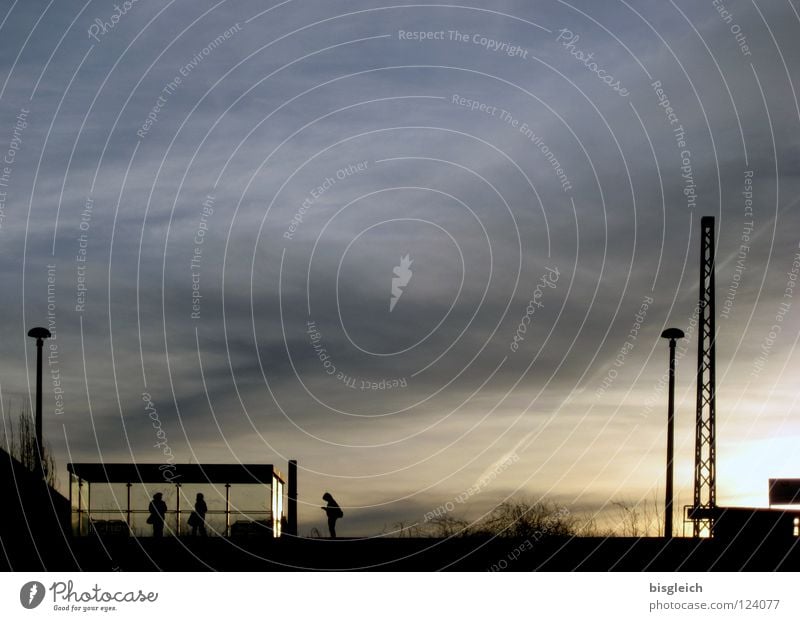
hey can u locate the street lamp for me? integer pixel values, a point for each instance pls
(673, 334)
(40, 334)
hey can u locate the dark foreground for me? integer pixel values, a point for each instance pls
(33, 537)
(459, 554)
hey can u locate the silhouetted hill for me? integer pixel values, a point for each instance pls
(34, 521)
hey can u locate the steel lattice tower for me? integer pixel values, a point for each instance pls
(705, 449)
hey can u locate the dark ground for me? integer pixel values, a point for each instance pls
(462, 554)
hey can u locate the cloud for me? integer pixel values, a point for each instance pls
(352, 141)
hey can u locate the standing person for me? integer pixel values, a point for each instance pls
(334, 513)
(197, 520)
(158, 511)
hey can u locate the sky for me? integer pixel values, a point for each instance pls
(425, 249)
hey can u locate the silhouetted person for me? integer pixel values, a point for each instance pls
(197, 520)
(158, 510)
(334, 513)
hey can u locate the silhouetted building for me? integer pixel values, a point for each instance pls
(752, 525)
(147, 479)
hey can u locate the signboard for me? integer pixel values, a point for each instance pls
(784, 491)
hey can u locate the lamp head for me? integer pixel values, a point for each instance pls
(39, 333)
(672, 333)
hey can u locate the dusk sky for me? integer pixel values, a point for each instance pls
(425, 249)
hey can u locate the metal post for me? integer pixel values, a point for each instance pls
(39, 456)
(39, 334)
(227, 509)
(80, 508)
(705, 458)
(178, 509)
(672, 334)
(670, 442)
(70, 504)
(89, 504)
(292, 498)
(128, 510)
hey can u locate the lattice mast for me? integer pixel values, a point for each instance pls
(705, 451)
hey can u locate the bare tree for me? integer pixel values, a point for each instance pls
(20, 443)
(525, 518)
(590, 528)
(640, 519)
(410, 531)
(629, 518)
(447, 526)
(653, 515)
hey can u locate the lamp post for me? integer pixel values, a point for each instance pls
(291, 521)
(40, 334)
(673, 334)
